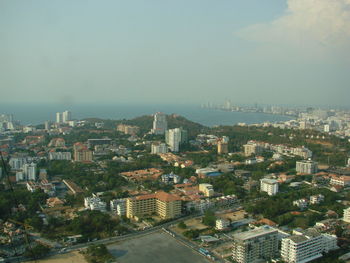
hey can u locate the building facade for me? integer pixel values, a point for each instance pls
(254, 245)
(270, 186)
(306, 167)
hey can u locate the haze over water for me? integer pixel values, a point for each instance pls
(36, 114)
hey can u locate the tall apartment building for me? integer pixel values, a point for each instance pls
(346, 216)
(254, 245)
(306, 246)
(252, 148)
(158, 147)
(306, 167)
(82, 153)
(29, 171)
(223, 145)
(175, 137)
(160, 123)
(17, 163)
(59, 117)
(270, 186)
(163, 204)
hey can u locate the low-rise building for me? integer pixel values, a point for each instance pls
(340, 180)
(301, 203)
(221, 224)
(158, 147)
(95, 203)
(316, 199)
(206, 189)
(346, 216)
(170, 178)
(118, 206)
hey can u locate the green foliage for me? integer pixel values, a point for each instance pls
(93, 224)
(37, 251)
(182, 225)
(98, 254)
(209, 218)
(191, 234)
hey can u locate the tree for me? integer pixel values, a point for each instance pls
(182, 225)
(209, 218)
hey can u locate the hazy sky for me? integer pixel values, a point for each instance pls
(188, 51)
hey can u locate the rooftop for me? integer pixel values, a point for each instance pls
(263, 230)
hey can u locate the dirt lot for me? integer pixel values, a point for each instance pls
(233, 216)
(72, 257)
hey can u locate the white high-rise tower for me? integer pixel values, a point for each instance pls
(160, 123)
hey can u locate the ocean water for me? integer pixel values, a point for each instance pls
(36, 114)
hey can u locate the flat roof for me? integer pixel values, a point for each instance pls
(255, 233)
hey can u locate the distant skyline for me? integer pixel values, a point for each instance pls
(161, 51)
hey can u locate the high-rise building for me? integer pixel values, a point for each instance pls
(252, 148)
(223, 145)
(270, 186)
(59, 117)
(254, 245)
(175, 137)
(306, 167)
(346, 216)
(160, 123)
(306, 246)
(29, 171)
(66, 116)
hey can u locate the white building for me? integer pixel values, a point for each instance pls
(160, 123)
(301, 203)
(95, 203)
(221, 224)
(346, 216)
(29, 171)
(306, 167)
(170, 178)
(17, 163)
(260, 244)
(316, 199)
(60, 156)
(307, 246)
(59, 117)
(173, 139)
(270, 186)
(340, 180)
(159, 148)
(66, 116)
(119, 206)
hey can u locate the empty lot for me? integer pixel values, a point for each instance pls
(157, 247)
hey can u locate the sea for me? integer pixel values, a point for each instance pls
(39, 113)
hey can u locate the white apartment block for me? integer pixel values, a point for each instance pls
(316, 199)
(119, 206)
(160, 123)
(170, 178)
(306, 167)
(254, 245)
(60, 156)
(340, 180)
(307, 246)
(346, 216)
(95, 203)
(270, 186)
(301, 203)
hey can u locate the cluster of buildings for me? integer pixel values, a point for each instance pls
(256, 148)
(95, 203)
(303, 203)
(7, 122)
(63, 117)
(128, 129)
(24, 167)
(263, 244)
